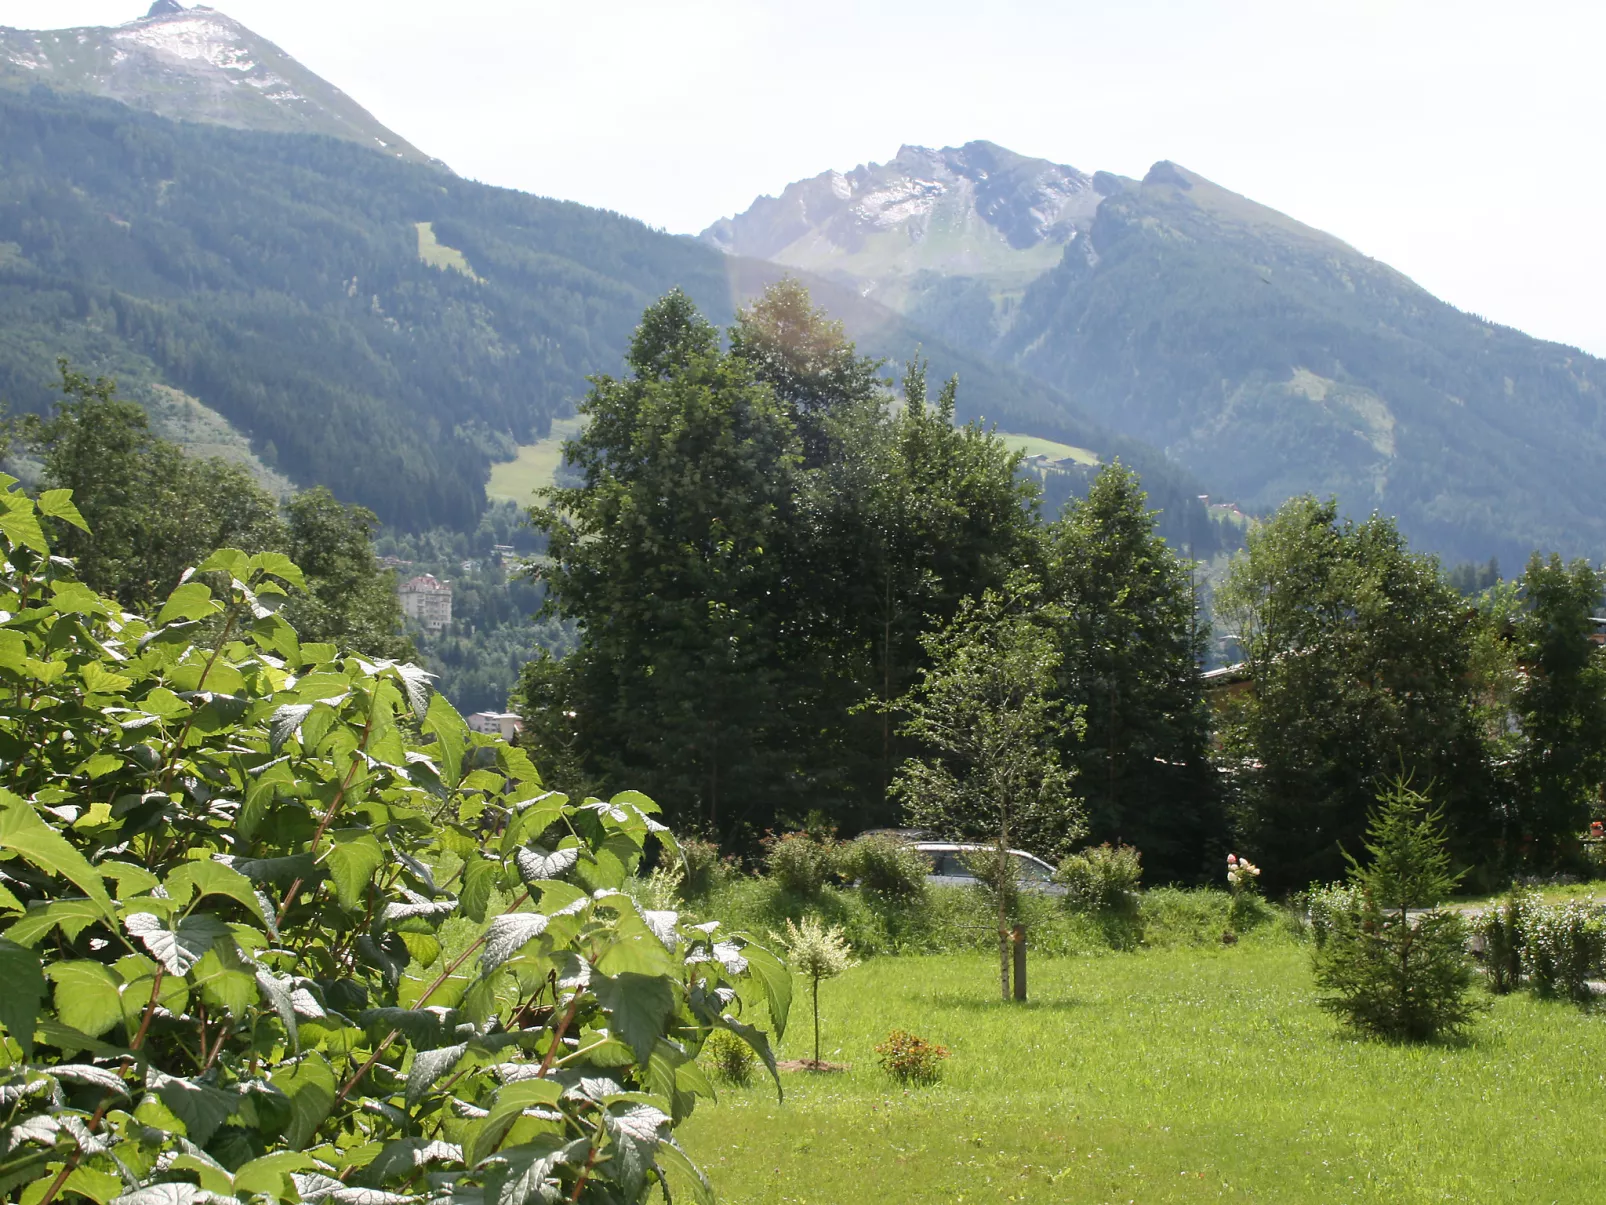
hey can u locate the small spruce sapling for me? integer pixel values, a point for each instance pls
(817, 953)
(1387, 973)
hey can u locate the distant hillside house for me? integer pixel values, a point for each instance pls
(505, 724)
(428, 600)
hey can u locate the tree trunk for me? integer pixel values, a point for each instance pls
(816, 1022)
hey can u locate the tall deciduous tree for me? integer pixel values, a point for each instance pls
(1560, 705)
(1358, 654)
(806, 357)
(1130, 646)
(911, 516)
(670, 554)
(986, 713)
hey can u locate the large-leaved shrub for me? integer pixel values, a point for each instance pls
(1102, 878)
(888, 866)
(279, 927)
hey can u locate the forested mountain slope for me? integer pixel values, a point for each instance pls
(1277, 359)
(375, 325)
(1263, 355)
(195, 64)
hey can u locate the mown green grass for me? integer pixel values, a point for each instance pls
(535, 467)
(1032, 445)
(1186, 1074)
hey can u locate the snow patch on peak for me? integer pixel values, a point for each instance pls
(899, 201)
(841, 187)
(205, 37)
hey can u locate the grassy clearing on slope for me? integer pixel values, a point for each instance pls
(535, 467)
(1032, 445)
(438, 255)
(1179, 1075)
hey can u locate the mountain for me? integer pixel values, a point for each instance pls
(1266, 357)
(195, 65)
(373, 324)
(893, 229)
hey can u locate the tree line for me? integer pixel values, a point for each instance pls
(763, 540)
(771, 562)
(151, 513)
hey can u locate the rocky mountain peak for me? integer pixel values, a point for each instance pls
(923, 209)
(196, 64)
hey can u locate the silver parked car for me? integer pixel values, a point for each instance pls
(951, 866)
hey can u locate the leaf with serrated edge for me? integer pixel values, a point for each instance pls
(176, 949)
(429, 1067)
(507, 935)
(536, 864)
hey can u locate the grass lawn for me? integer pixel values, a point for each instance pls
(1556, 893)
(1034, 446)
(535, 467)
(1164, 1075)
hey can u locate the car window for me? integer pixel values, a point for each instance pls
(1026, 868)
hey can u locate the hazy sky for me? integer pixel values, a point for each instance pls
(1459, 141)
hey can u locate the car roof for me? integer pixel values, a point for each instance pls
(950, 847)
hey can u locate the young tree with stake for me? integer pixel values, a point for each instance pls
(985, 710)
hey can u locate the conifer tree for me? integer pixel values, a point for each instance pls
(1388, 972)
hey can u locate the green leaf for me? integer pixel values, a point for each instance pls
(447, 727)
(72, 915)
(58, 504)
(259, 797)
(642, 802)
(227, 560)
(310, 1085)
(508, 935)
(13, 650)
(353, 860)
(223, 986)
(201, 1107)
(638, 1006)
(213, 878)
(430, 1067)
(192, 600)
(21, 527)
(511, 1101)
(23, 832)
(24, 989)
(270, 1174)
(279, 566)
(776, 981)
(479, 877)
(75, 598)
(177, 949)
(285, 722)
(97, 1186)
(130, 880)
(87, 996)
(671, 1156)
(100, 681)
